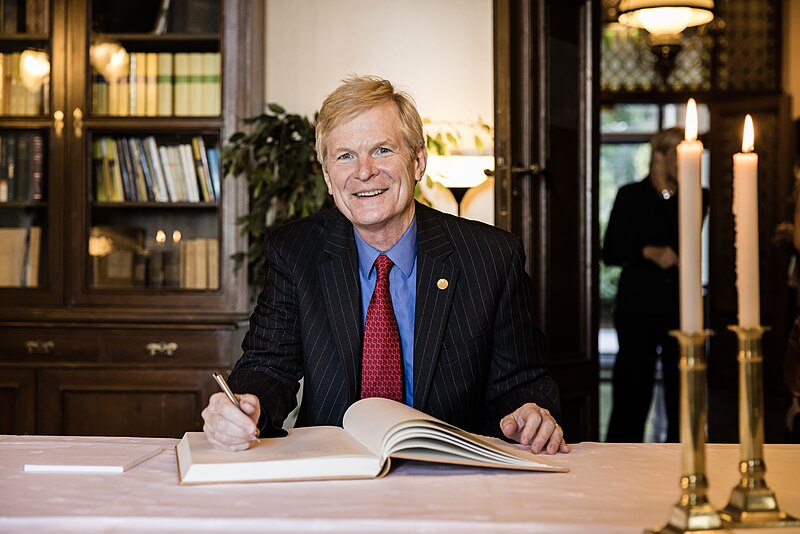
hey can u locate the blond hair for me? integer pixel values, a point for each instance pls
(666, 140)
(361, 93)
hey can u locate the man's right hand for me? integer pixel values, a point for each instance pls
(664, 257)
(226, 426)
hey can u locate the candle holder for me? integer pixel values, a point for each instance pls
(752, 503)
(692, 513)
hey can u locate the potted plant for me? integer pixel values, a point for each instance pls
(284, 178)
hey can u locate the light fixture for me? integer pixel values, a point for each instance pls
(665, 17)
(34, 68)
(109, 58)
(459, 173)
(664, 20)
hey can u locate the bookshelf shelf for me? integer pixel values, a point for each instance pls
(112, 125)
(114, 274)
(204, 206)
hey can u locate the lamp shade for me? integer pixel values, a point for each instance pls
(459, 171)
(665, 17)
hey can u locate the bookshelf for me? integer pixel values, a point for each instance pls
(117, 292)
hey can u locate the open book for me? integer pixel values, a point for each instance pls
(375, 430)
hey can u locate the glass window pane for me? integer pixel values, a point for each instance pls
(675, 115)
(150, 16)
(629, 118)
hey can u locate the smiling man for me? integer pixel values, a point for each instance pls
(386, 297)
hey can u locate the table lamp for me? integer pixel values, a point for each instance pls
(459, 173)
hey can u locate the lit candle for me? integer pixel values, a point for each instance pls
(690, 204)
(745, 214)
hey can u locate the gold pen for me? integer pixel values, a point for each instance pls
(223, 385)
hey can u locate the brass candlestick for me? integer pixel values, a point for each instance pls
(692, 513)
(752, 503)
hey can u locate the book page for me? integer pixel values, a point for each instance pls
(370, 420)
(65, 457)
(306, 453)
(394, 429)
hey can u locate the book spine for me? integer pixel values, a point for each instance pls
(151, 84)
(3, 179)
(213, 263)
(10, 153)
(196, 85)
(164, 82)
(148, 177)
(169, 179)
(117, 186)
(200, 171)
(141, 184)
(22, 170)
(156, 169)
(181, 98)
(99, 94)
(128, 184)
(214, 169)
(37, 166)
(99, 170)
(187, 168)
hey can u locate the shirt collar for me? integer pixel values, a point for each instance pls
(403, 254)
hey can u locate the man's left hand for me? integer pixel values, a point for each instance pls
(534, 426)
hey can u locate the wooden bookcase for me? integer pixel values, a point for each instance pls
(93, 341)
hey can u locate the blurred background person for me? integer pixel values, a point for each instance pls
(642, 238)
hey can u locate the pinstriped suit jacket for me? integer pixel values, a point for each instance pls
(478, 354)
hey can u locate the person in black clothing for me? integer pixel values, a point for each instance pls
(642, 238)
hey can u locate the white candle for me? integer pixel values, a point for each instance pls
(745, 216)
(690, 204)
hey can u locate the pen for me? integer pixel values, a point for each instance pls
(223, 385)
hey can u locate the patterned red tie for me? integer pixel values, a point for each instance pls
(381, 366)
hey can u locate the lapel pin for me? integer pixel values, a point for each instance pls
(442, 283)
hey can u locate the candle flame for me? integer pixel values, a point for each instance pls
(161, 237)
(691, 121)
(176, 236)
(749, 136)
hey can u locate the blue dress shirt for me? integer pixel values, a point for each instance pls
(402, 287)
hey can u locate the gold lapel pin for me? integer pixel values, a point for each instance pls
(442, 283)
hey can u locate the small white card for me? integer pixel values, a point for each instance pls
(87, 457)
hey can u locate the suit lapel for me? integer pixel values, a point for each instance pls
(433, 303)
(338, 275)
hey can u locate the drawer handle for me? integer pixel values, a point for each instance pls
(39, 347)
(161, 348)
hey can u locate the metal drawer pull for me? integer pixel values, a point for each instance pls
(161, 348)
(39, 347)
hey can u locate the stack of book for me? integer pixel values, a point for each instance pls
(121, 259)
(19, 256)
(21, 166)
(132, 169)
(161, 84)
(15, 97)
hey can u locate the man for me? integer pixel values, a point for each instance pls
(642, 238)
(453, 333)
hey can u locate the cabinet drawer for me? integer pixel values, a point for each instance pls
(166, 347)
(48, 345)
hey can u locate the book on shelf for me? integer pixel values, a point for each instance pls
(201, 166)
(181, 81)
(375, 431)
(151, 84)
(22, 165)
(214, 168)
(197, 85)
(23, 16)
(156, 169)
(20, 248)
(189, 173)
(32, 256)
(213, 263)
(164, 83)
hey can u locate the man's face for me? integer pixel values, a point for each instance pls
(371, 173)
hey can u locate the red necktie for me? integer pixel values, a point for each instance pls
(381, 365)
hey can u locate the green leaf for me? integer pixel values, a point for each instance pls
(275, 108)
